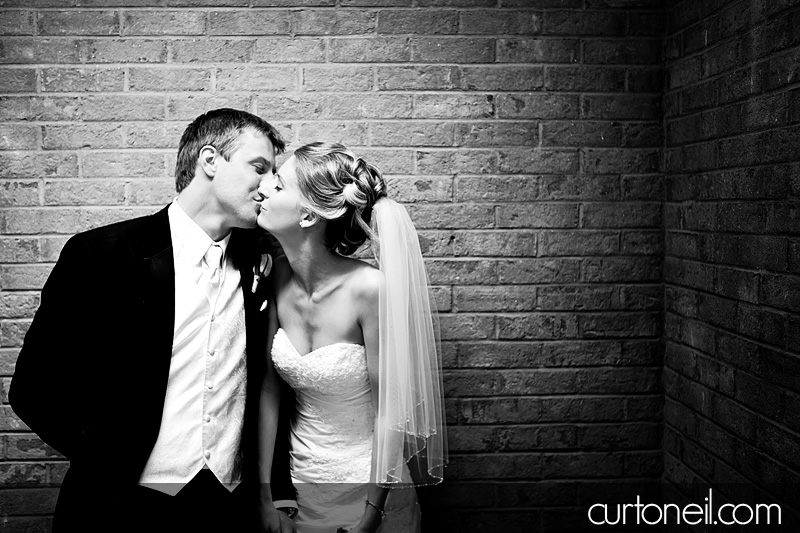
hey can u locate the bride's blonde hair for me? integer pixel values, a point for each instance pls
(341, 188)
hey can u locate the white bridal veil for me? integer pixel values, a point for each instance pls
(410, 443)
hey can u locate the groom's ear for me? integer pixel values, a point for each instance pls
(208, 160)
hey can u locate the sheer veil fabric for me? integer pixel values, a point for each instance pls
(410, 443)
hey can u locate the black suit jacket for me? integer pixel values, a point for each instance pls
(92, 374)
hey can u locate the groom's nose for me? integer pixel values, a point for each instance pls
(264, 185)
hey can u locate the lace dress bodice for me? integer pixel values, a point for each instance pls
(331, 439)
(332, 431)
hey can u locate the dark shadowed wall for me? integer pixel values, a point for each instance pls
(732, 223)
(524, 135)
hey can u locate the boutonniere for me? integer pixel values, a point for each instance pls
(260, 272)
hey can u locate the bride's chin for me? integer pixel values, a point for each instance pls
(262, 221)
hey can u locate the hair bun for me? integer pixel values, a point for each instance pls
(353, 195)
(341, 188)
(370, 180)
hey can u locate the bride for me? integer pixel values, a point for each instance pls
(355, 343)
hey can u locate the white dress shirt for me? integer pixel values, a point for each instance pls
(201, 425)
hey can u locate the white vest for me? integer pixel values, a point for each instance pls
(201, 425)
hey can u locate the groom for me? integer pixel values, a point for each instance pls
(138, 366)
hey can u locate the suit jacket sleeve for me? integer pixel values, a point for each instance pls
(45, 391)
(282, 487)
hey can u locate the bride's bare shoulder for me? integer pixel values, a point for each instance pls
(365, 281)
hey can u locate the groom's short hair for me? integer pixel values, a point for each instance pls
(221, 129)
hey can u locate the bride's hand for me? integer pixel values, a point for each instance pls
(361, 529)
(370, 523)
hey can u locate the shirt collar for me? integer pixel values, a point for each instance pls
(190, 240)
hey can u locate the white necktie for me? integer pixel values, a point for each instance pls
(212, 274)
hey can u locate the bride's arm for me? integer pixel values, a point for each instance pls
(368, 302)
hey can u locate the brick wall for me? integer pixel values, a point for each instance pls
(524, 135)
(732, 330)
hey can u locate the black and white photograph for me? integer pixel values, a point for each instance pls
(399, 266)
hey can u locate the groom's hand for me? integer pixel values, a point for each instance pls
(287, 524)
(274, 521)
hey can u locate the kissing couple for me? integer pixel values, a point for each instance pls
(225, 364)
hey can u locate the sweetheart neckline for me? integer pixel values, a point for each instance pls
(289, 341)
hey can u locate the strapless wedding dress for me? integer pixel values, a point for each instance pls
(331, 439)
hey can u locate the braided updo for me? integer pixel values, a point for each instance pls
(341, 188)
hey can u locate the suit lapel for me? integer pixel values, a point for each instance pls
(154, 284)
(157, 286)
(244, 255)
